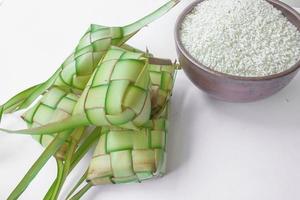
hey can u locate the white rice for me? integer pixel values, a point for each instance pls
(247, 38)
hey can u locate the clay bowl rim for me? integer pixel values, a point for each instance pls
(199, 65)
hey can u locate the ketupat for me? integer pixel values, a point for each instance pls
(118, 93)
(123, 156)
(75, 71)
(144, 150)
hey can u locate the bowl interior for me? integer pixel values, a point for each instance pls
(292, 15)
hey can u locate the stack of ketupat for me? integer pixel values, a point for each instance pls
(106, 92)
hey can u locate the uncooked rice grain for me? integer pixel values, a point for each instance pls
(249, 38)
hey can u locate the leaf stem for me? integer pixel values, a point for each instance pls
(37, 166)
(59, 174)
(70, 123)
(82, 192)
(134, 27)
(66, 167)
(85, 146)
(81, 180)
(15, 101)
(77, 156)
(26, 97)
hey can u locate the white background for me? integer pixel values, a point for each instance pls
(292, 2)
(217, 150)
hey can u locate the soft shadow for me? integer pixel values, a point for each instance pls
(277, 112)
(181, 120)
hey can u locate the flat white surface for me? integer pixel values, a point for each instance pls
(295, 3)
(217, 150)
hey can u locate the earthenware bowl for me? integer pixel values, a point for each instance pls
(234, 88)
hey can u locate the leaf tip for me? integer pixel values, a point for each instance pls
(1, 112)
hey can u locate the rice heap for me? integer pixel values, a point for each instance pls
(249, 38)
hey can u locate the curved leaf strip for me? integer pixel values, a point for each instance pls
(60, 169)
(131, 28)
(26, 97)
(53, 128)
(82, 192)
(1, 112)
(81, 180)
(13, 103)
(85, 146)
(40, 90)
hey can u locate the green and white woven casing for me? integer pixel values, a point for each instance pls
(118, 93)
(162, 72)
(55, 105)
(124, 156)
(79, 66)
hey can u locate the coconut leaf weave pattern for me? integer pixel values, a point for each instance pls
(162, 73)
(55, 105)
(79, 66)
(118, 93)
(123, 156)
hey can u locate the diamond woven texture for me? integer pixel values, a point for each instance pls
(118, 93)
(55, 105)
(80, 65)
(124, 81)
(123, 156)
